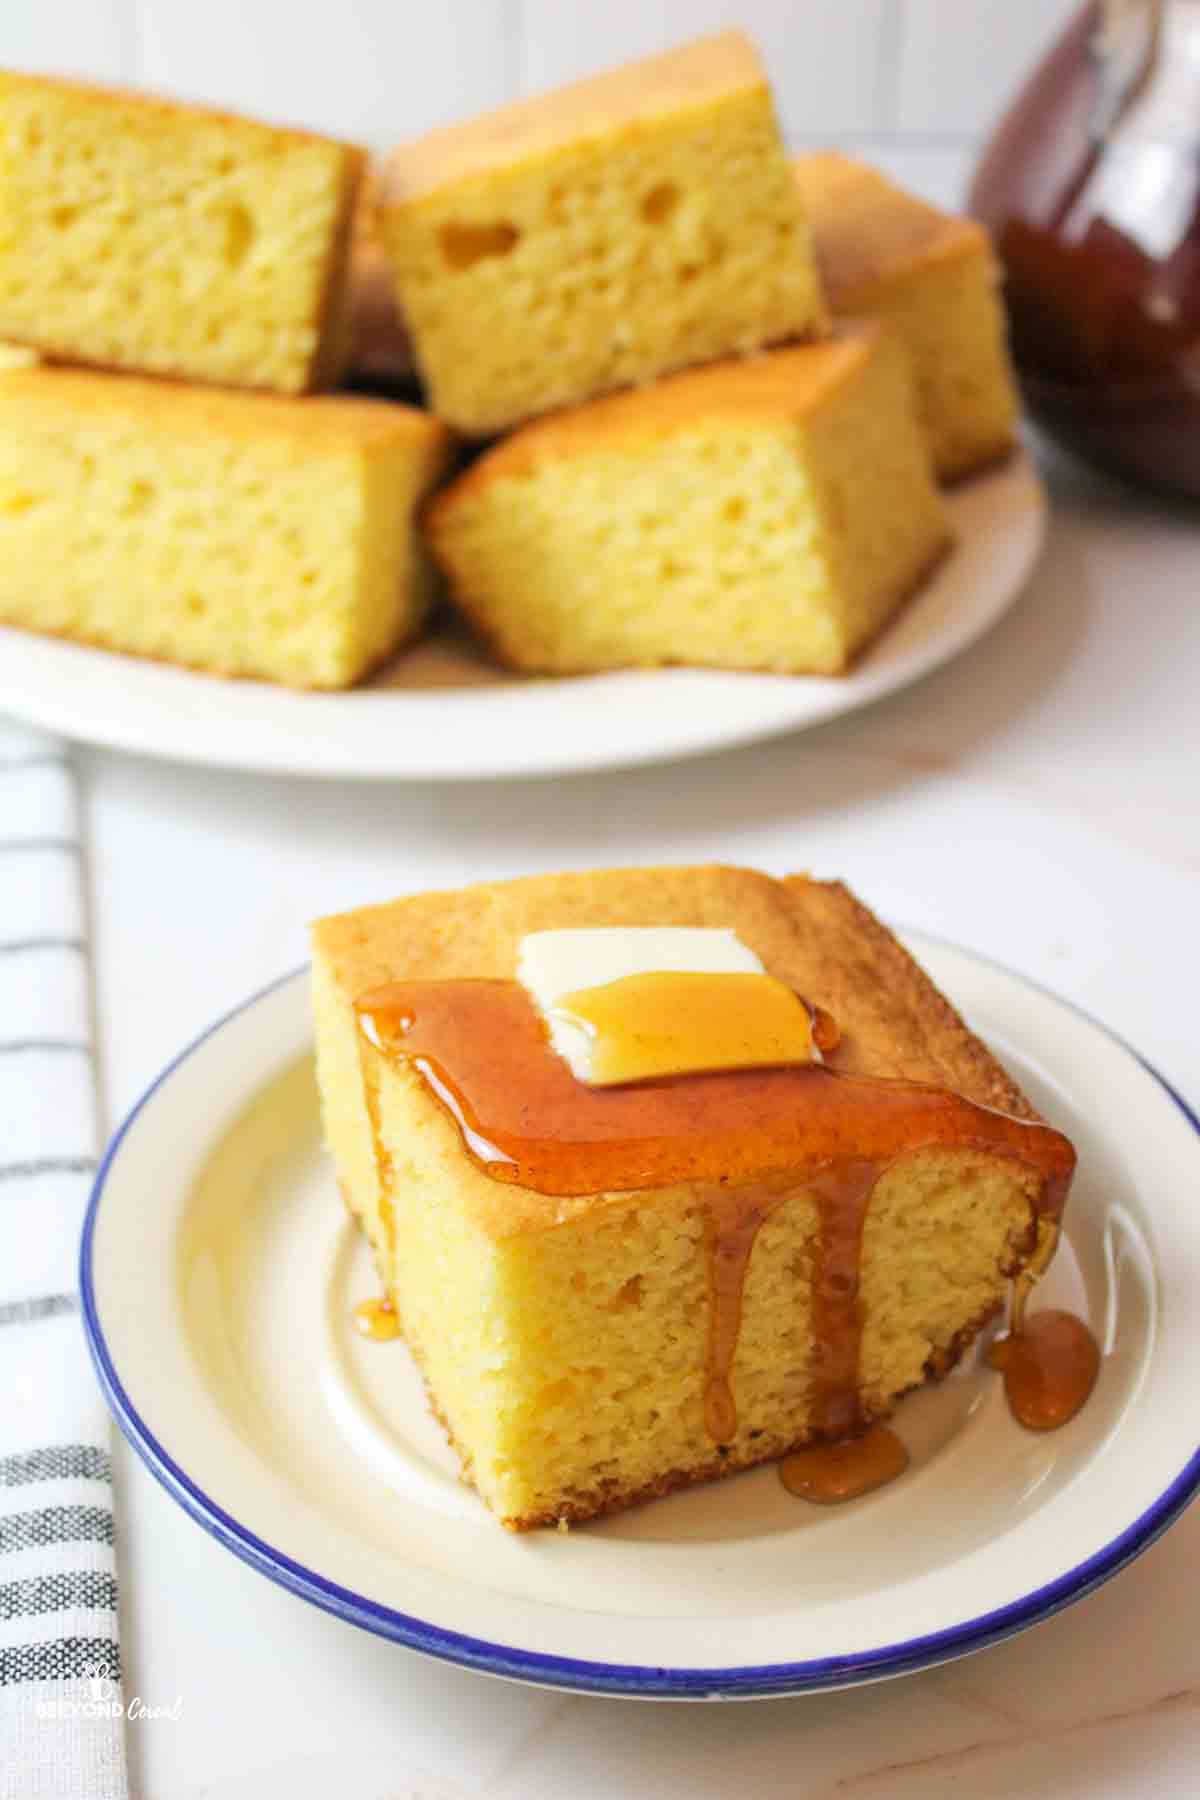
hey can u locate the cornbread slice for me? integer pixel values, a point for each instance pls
(566, 1338)
(247, 534)
(769, 514)
(599, 236)
(886, 255)
(139, 234)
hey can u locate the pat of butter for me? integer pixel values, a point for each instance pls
(629, 1004)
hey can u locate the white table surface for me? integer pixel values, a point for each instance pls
(1036, 800)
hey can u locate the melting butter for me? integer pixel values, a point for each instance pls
(633, 1004)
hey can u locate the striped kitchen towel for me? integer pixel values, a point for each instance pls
(61, 1734)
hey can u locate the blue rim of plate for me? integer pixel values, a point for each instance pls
(575, 1674)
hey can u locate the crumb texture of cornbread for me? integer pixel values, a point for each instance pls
(933, 278)
(769, 514)
(138, 234)
(245, 534)
(564, 1340)
(599, 236)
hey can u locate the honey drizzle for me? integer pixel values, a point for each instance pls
(734, 1219)
(524, 1120)
(837, 1317)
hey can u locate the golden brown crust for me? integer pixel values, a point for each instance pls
(156, 107)
(980, 461)
(783, 384)
(814, 935)
(895, 1022)
(322, 424)
(867, 234)
(694, 75)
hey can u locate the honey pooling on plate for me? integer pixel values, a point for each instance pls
(831, 1473)
(1049, 1359)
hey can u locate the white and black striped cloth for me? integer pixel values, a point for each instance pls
(61, 1735)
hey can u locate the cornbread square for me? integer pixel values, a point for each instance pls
(599, 236)
(139, 234)
(768, 514)
(884, 254)
(246, 534)
(564, 1341)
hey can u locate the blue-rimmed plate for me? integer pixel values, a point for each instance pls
(219, 1274)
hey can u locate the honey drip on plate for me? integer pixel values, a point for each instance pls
(831, 1473)
(376, 1319)
(747, 1139)
(1049, 1361)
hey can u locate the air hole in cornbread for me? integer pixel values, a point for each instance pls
(639, 167)
(660, 202)
(465, 245)
(128, 227)
(239, 232)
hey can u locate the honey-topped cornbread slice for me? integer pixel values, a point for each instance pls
(770, 514)
(173, 240)
(246, 534)
(614, 1289)
(599, 236)
(933, 278)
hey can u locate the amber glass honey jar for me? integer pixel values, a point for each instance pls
(1091, 187)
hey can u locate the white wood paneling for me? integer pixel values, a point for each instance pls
(376, 71)
(960, 63)
(89, 38)
(826, 62)
(922, 76)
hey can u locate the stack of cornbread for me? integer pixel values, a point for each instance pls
(717, 388)
(181, 492)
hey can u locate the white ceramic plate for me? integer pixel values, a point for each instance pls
(219, 1319)
(441, 713)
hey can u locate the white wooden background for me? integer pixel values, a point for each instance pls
(912, 83)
